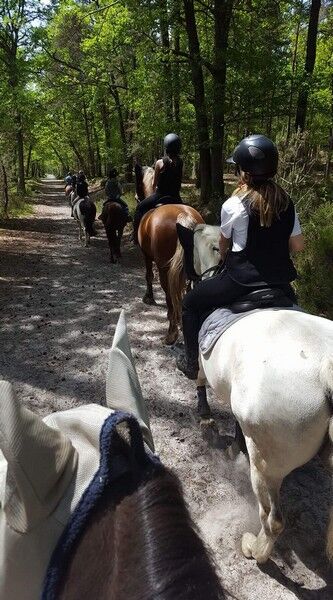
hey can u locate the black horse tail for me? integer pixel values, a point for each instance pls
(88, 210)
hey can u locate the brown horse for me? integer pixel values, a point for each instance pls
(68, 191)
(114, 221)
(141, 544)
(158, 241)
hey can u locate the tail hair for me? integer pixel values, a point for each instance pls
(176, 272)
(88, 210)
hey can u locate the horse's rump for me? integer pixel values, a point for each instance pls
(113, 215)
(158, 233)
(87, 209)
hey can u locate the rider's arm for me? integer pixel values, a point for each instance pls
(296, 240)
(224, 244)
(296, 243)
(157, 171)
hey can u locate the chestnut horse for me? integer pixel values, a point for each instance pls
(114, 220)
(157, 237)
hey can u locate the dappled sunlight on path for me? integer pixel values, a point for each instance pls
(59, 306)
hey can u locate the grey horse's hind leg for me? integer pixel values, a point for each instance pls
(267, 490)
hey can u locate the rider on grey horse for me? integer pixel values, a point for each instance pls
(259, 228)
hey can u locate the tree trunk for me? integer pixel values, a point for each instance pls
(98, 154)
(27, 169)
(91, 157)
(293, 69)
(81, 162)
(199, 101)
(61, 160)
(107, 130)
(167, 72)
(122, 130)
(310, 60)
(222, 16)
(20, 156)
(5, 188)
(176, 79)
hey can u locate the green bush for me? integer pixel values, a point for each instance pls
(315, 264)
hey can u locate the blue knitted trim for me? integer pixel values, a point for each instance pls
(110, 468)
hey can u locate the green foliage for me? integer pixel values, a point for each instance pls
(315, 264)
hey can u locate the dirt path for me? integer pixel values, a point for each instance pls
(59, 306)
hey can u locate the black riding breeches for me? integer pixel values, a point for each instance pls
(212, 293)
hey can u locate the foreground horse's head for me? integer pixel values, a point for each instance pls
(139, 531)
(144, 177)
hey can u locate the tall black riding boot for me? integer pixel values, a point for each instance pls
(188, 363)
(188, 366)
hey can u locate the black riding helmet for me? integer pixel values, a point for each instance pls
(172, 144)
(256, 155)
(113, 173)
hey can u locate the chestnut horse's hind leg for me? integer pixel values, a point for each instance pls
(149, 295)
(172, 334)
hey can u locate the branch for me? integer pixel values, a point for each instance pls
(62, 62)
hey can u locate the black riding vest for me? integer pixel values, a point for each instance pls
(170, 179)
(82, 189)
(265, 258)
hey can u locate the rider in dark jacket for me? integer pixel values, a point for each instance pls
(259, 228)
(113, 192)
(167, 181)
(81, 185)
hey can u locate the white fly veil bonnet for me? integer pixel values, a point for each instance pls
(45, 466)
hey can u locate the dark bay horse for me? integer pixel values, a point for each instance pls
(142, 545)
(157, 237)
(114, 220)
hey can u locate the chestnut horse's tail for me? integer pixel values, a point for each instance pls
(176, 273)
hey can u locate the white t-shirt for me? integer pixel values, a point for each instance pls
(235, 222)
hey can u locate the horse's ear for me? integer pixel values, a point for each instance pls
(123, 391)
(185, 236)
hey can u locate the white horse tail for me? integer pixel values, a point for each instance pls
(326, 376)
(176, 272)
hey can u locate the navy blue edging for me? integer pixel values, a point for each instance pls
(101, 480)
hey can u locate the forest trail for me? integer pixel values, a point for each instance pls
(59, 306)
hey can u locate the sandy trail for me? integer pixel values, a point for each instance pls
(59, 306)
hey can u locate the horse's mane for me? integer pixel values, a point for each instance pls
(145, 547)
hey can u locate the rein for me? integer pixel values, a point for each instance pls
(215, 270)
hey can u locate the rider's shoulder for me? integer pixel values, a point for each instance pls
(233, 204)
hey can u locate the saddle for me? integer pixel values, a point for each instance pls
(264, 298)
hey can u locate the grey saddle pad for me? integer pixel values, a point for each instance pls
(220, 320)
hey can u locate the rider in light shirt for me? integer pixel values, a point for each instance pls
(259, 230)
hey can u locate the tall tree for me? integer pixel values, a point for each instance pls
(310, 59)
(199, 99)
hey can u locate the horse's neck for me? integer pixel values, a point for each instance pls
(149, 531)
